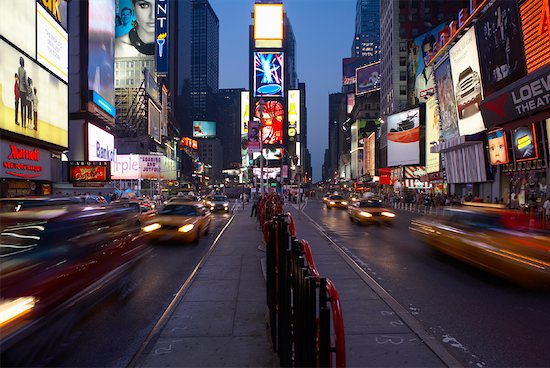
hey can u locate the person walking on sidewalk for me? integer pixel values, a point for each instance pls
(546, 207)
(254, 210)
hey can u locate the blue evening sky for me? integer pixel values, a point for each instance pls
(324, 31)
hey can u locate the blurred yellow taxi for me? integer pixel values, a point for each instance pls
(370, 211)
(336, 201)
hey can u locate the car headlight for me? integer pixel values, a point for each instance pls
(344, 203)
(388, 214)
(324, 198)
(365, 214)
(186, 228)
(151, 227)
(332, 202)
(226, 204)
(11, 309)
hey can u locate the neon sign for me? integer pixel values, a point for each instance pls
(268, 67)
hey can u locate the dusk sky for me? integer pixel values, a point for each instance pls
(324, 31)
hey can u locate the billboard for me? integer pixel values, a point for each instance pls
(24, 162)
(52, 44)
(367, 78)
(21, 29)
(89, 171)
(101, 144)
(161, 36)
(499, 36)
(42, 106)
(204, 129)
(293, 112)
(134, 28)
(370, 149)
(446, 99)
(467, 83)
(498, 149)
(535, 25)
(245, 111)
(101, 51)
(348, 68)
(350, 102)
(524, 143)
(432, 134)
(274, 154)
(272, 122)
(153, 119)
(268, 21)
(132, 167)
(404, 138)
(253, 143)
(269, 75)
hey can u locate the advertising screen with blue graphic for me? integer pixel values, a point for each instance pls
(524, 143)
(268, 69)
(204, 129)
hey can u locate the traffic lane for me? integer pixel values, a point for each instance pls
(482, 319)
(112, 334)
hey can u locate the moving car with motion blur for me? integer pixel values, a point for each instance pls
(507, 243)
(25, 203)
(179, 221)
(325, 197)
(370, 211)
(57, 263)
(336, 201)
(218, 202)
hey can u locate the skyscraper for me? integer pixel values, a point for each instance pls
(366, 41)
(229, 126)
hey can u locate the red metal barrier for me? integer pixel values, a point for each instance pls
(309, 258)
(291, 225)
(338, 321)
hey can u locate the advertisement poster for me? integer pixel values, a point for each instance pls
(42, 106)
(19, 161)
(253, 135)
(272, 122)
(89, 171)
(101, 49)
(293, 112)
(101, 144)
(348, 68)
(161, 36)
(498, 149)
(134, 30)
(269, 76)
(467, 83)
(245, 111)
(432, 135)
(524, 143)
(150, 166)
(204, 129)
(499, 36)
(367, 78)
(20, 30)
(370, 147)
(153, 119)
(350, 102)
(52, 44)
(404, 138)
(446, 99)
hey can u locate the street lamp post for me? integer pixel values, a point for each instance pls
(261, 113)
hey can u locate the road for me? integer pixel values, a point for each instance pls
(482, 320)
(113, 333)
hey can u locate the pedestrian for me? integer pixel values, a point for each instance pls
(254, 210)
(546, 207)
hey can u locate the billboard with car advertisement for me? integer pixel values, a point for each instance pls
(272, 122)
(535, 24)
(467, 83)
(404, 138)
(101, 144)
(42, 101)
(101, 50)
(432, 134)
(499, 36)
(524, 143)
(498, 148)
(446, 99)
(52, 44)
(367, 78)
(153, 119)
(204, 129)
(21, 29)
(269, 74)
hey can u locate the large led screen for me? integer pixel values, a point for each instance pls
(535, 24)
(272, 122)
(467, 83)
(498, 149)
(245, 111)
(293, 112)
(42, 106)
(101, 144)
(52, 44)
(404, 138)
(349, 65)
(268, 21)
(446, 99)
(204, 129)
(134, 28)
(367, 78)
(269, 75)
(498, 33)
(18, 24)
(432, 134)
(101, 48)
(153, 118)
(524, 143)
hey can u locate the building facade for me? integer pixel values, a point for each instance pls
(366, 41)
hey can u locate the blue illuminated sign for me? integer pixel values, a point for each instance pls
(161, 36)
(268, 67)
(101, 102)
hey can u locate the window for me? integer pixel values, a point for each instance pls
(402, 46)
(403, 90)
(402, 75)
(402, 61)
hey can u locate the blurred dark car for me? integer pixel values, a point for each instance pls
(507, 243)
(336, 201)
(370, 211)
(56, 264)
(143, 211)
(24, 203)
(218, 202)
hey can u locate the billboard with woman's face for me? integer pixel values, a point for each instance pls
(134, 28)
(446, 99)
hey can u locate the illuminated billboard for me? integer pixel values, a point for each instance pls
(52, 44)
(153, 119)
(268, 21)
(350, 102)
(253, 143)
(535, 24)
(467, 83)
(367, 78)
(524, 143)
(293, 112)
(432, 134)
(499, 36)
(135, 28)
(269, 76)
(161, 36)
(101, 144)
(101, 52)
(272, 154)
(272, 122)
(498, 149)
(89, 171)
(370, 150)
(21, 29)
(44, 115)
(349, 65)
(204, 129)
(446, 98)
(404, 138)
(245, 111)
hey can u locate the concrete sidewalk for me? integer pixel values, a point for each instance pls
(220, 320)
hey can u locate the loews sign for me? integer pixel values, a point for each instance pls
(535, 24)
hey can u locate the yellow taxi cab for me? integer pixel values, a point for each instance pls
(325, 197)
(336, 201)
(507, 243)
(179, 221)
(370, 211)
